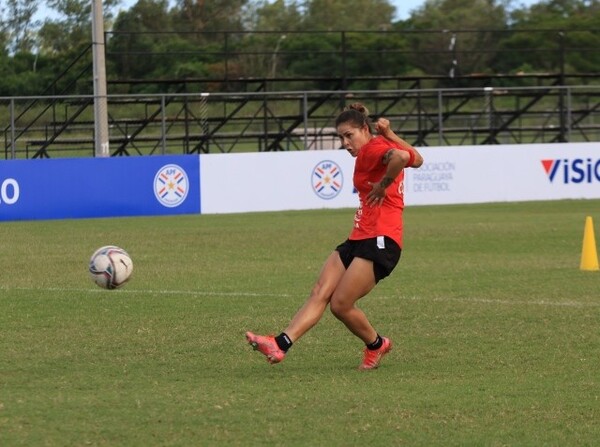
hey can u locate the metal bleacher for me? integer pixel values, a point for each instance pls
(226, 113)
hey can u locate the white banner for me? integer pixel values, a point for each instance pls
(274, 181)
(232, 183)
(508, 173)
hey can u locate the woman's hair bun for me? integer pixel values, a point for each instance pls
(359, 108)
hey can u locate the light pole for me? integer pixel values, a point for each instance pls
(101, 145)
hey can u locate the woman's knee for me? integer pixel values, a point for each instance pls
(320, 293)
(338, 307)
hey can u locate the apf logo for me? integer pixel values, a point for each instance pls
(327, 179)
(171, 185)
(578, 170)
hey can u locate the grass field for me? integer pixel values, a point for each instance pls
(496, 331)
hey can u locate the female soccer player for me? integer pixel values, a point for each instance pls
(373, 248)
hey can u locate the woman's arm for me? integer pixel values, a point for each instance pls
(395, 160)
(383, 128)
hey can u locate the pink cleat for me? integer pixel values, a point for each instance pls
(372, 358)
(267, 346)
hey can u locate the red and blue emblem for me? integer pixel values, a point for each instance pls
(577, 170)
(171, 185)
(327, 179)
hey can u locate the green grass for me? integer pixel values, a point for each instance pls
(496, 332)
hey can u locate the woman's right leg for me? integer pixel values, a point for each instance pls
(275, 348)
(314, 307)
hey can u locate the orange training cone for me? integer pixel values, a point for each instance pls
(589, 255)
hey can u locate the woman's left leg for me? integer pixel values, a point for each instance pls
(357, 281)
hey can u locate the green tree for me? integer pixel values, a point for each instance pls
(553, 35)
(209, 15)
(348, 15)
(3, 33)
(71, 31)
(279, 15)
(452, 37)
(19, 25)
(146, 44)
(261, 51)
(328, 52)
(135, 36)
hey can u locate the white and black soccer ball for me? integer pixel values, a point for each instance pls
(110, 267)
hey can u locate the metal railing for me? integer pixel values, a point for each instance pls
(63, 126)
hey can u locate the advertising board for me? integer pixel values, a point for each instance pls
(99, 187)
(277, 181)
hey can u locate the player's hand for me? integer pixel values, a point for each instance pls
(377, 194)
(382, 126)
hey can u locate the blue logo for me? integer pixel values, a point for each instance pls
(171, 185)
(327, 179)
(572, 171)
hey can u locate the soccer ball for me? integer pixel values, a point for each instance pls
(110, 267)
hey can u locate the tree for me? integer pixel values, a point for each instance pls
(279, 15)
(328, 51)
(455, 36)
(18, 27)
(68, 33)
(137, 34)
(209, 15)
(563, 32)
(4, 35)
(358, 15)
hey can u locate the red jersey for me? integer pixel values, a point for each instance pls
(379, 220)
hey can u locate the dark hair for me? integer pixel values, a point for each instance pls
(356, 114)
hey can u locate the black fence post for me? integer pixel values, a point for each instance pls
(561, 94)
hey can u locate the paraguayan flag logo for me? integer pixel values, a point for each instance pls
(171, 185)
(327, 179)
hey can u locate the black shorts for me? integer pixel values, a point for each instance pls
(385, 254)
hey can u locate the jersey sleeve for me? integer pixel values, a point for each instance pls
(385, 145)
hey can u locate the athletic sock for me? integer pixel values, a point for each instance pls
(283, 341)
(376, 344)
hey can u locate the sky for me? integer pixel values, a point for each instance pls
(404, 7)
